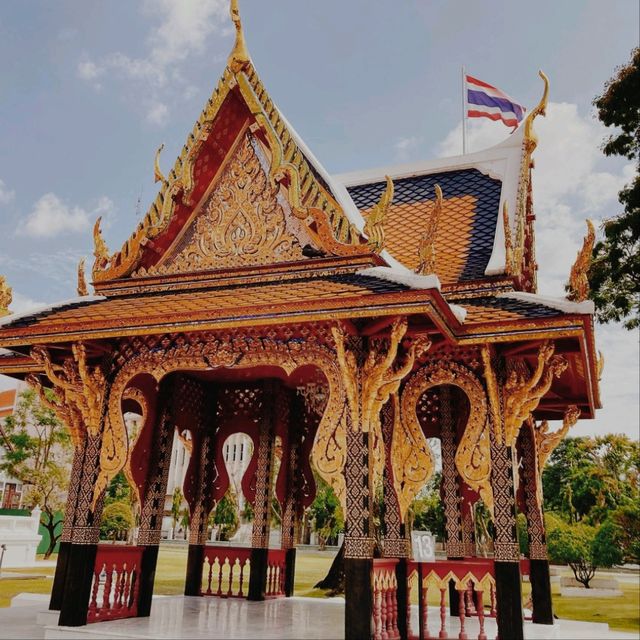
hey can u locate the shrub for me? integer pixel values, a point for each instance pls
(117, 520)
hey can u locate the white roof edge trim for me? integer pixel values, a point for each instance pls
(586, 308)
(9, 320)
(459, 312)
(402, 276)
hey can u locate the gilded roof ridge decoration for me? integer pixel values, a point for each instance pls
(311, 199)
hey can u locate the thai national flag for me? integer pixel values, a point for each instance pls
(485, 101)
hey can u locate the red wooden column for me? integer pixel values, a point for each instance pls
(264, 493)
(539, 562)
(57, 590)
(194, 410)
(156, 450)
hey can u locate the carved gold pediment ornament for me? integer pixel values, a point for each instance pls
(427, 245)
(374, 223)
(241, 223)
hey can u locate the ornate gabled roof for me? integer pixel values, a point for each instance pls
(239, 120)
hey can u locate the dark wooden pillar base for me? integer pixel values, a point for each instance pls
(509, 600)
(290, 573)
(77, 585)
(358, 594)
(195, 560)
(147, 578)
(258, 575)
(57, 591)
(541, 591)
(402, 598)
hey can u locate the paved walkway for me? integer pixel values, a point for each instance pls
(286, 618)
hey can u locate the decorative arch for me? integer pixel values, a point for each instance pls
(169, 354)
(473, 456)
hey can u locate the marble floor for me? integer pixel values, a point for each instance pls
(286, 618)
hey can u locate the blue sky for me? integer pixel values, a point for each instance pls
(89, 89)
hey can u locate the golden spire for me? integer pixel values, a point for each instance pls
(374, 225)
(158, 176)
(239, 57)
(540, 110)
(578, 279)
(6, 297)
(82, 282)
(427, 246)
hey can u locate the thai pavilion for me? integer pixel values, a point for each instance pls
(346, 319)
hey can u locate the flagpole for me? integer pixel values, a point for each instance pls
(464, 112)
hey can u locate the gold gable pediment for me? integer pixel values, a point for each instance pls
(243, 221)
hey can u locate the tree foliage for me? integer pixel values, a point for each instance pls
(614, 276)
(587, 478)
(225, 516)
(427, 510)
(574, 545)
(117, 520)
(38, 453)
(327, 513)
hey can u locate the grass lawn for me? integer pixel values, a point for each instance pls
(622, 613)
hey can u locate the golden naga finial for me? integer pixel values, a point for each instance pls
(158, 176)
(427, 246)
(82, 282)
(540, 110)
(578, 280)
(509, 261)
(239, 56)
(100, 250)
(374, 225)
(6, 297)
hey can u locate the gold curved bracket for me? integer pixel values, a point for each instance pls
(239, 56)
(540, 110)
(374, 224)
(578, 278)
(600, 365)
(427, 246)
(158, 176)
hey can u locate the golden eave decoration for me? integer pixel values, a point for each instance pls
(578, 279)
(374, 224)
(540, 110)
(427, 246)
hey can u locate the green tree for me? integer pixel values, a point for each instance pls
(225, 516)
(38, 454)
(327, 513)
(176, 506)
(117, 520)
(614, 276)
(574, 546)
(587, 478)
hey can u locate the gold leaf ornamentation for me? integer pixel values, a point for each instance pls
(239, 57)
(578, 279)
(523, 389)
(511, 265)
(100, 249)
(374, 224)
(6, 297)
(473, 457)
(241, 223)
(411, 458)
(600, 365)
(158, 176)
(370, 377)
(427, 246)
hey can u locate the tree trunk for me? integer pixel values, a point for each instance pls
(334, 580)
(53, 539)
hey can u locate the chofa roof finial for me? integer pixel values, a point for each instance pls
(239, 57)
(539, 110)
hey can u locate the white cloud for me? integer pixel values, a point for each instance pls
(6, 194)
(158, 114)
(23, 303)
(184, 29)
(51, 217)
(404, 147)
